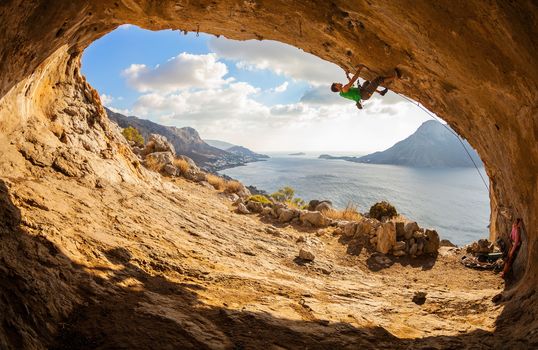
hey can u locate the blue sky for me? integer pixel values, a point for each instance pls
(261, 94)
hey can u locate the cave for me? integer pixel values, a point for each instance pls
(473, 64)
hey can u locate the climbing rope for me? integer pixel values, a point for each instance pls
(452, 132)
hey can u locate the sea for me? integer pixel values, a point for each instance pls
(453, 201)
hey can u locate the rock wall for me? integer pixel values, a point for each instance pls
(472, 63)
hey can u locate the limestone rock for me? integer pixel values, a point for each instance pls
(306, 254)
(398, 253)
(312, 205)
(242, 209)
(266, 211)
(191, 162)
(325, 205)
(158, 143)
(349, 229)
(432, 242)
(170, 170)
(314, 218)
(410, 228)
(400, 245)
(364, 227)
(254, 207)
(286, 215)
(386, 237)
(159, 158)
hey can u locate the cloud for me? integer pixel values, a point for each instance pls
(185, 71)
(281, 58)
(281, 88)
(106, 99)
(321, 96)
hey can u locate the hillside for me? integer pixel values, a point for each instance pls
(431, 146)
(223, 145)
(186, 141)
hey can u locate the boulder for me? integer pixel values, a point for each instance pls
(410, 228)
(286, 215)
(323, 206)
(191, 162)
(159, 158)
(158, 143)
(306, 254)
(350, 229)
(432, 242)
(400, 245)
(254, 207)
(314, 218)
(364, 227)
(170, 170)
(242, 209)
(206, 184)
(232, 196)
(413, 249)
(386, 237)
(314, 203)
(243, 192)
(266, 211)
(196, 176)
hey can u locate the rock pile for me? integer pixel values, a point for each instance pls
(399, 238)
(396, 237)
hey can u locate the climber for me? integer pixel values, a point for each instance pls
(515, 239)
(364, 91)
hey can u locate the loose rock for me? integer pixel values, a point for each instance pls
(306, 254)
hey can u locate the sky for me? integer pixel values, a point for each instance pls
(264, 95)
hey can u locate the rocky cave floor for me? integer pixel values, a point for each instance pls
(173, 267)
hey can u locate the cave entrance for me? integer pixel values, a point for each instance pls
(274, 98)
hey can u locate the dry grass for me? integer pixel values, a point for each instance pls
(152, 164)
(350, 213)
(233, 186)
(182, 165)
(217, 182)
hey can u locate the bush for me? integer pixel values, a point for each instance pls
(350, 213)
(216, 181)
(285, 194)
(381, 209)
(182, 165)
(132, 134)
(153, 164)
(232, 186)
(260, 199)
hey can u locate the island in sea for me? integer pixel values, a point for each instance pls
(432, 145)
(297, 154)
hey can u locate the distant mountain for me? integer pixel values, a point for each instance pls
(297, 154)
(431, 146)
(237, 150)
(245, 152)
(223, 145)
(186, 141)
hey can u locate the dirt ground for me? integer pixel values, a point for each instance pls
(173, 267)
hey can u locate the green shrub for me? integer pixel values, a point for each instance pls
(285, 194)
(132, 134)
(381, 209)
(260, 199)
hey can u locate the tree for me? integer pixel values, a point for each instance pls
(132, 134)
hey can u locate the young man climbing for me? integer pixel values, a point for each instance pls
(367, 89)
(515, 239)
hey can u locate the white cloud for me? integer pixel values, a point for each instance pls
(283, 59)
(123, 111)
(185, 71)
(106, 99)
(281, 88)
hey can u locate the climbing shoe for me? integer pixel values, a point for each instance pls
(382, 93)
